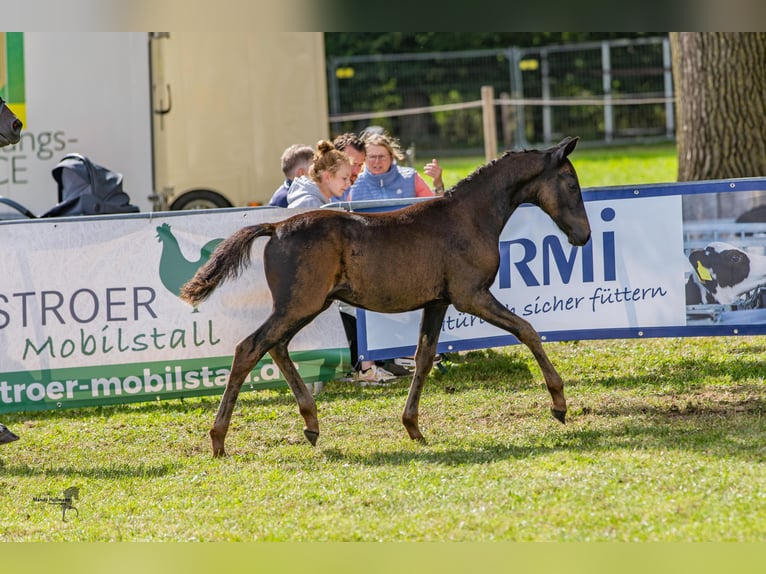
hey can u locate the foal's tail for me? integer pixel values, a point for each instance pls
(227, 261)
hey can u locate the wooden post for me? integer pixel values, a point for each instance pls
(488, 122)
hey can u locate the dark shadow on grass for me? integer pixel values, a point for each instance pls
(490, 368)
(107, 411)
(450, 457)
(684, 374)
(634, 438)
(111, 471)
(723, 429)
(205, 405)
(728, 401)
(483, 369)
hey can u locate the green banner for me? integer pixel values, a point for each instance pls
(141, 382)
(90, 314)
(14, 44)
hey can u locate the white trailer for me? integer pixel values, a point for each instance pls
(225, 107)
(190, 120)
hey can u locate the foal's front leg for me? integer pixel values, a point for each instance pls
(306, 403)
(485, 306)
(430, 326)
(242, 364)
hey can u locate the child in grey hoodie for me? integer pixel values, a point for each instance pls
(329, 176)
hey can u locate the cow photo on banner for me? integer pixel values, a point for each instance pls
(725, 243)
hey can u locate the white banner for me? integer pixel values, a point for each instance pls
(95, 299)
(89, 311)
(629, 280)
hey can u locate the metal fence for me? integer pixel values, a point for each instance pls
(604, 92)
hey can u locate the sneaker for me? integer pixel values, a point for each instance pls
(409, 362)
(6, 435)
(375, 377)
(395, 369)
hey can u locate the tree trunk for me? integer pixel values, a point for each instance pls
(720, 83)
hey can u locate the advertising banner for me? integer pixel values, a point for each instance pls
(90, 314)
(663, 260)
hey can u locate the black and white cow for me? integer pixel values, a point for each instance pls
(722, 273)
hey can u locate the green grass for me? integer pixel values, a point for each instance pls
(596, 167)
(664, 442)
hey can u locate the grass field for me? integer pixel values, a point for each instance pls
(664, 442)
(595, 167)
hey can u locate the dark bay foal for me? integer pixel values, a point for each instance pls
(448, 251)
(10, 133)
(10, 126)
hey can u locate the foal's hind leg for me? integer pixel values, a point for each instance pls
(246, 355)
(430, 326)
(306, 403)
(485, 306)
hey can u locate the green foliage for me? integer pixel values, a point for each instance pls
(462, 127)
(364, 43)
(626, 165)
(385, 72)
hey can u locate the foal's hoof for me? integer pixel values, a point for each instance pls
(218, 450)
(416, 435)
(311, 436)
(216, 442)
(559, 415)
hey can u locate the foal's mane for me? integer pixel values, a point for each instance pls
(486, 170)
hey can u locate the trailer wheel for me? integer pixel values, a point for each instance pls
(200, 199)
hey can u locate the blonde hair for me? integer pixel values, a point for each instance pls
(391, 144)
(326, 158)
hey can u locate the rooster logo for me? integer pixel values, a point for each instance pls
(175, 269)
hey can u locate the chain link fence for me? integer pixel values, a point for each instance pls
(615, 91)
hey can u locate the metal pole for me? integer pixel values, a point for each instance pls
(670, 121)
(546, 92)
(517, 91)
(332, 82)
(606, 65)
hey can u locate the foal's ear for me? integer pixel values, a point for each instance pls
(566, 147)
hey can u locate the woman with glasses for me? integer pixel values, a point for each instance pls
(383, 178)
